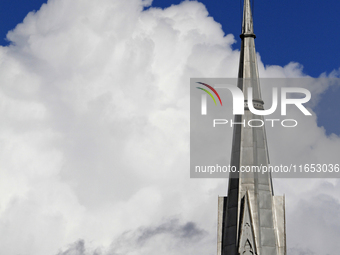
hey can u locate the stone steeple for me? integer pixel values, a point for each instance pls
(251, 219)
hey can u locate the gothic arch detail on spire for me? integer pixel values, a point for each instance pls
(246, 233)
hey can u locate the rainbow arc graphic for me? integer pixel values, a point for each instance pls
(204, 98)
(209, 93)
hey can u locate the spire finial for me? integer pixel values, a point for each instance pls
(247, 24)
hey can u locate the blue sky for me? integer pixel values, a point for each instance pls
(290, 30)
(306, 32)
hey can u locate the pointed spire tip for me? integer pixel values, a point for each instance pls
(247, 24)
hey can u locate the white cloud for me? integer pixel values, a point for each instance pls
(94, 102)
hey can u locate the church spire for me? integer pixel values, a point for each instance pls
(251, 218)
